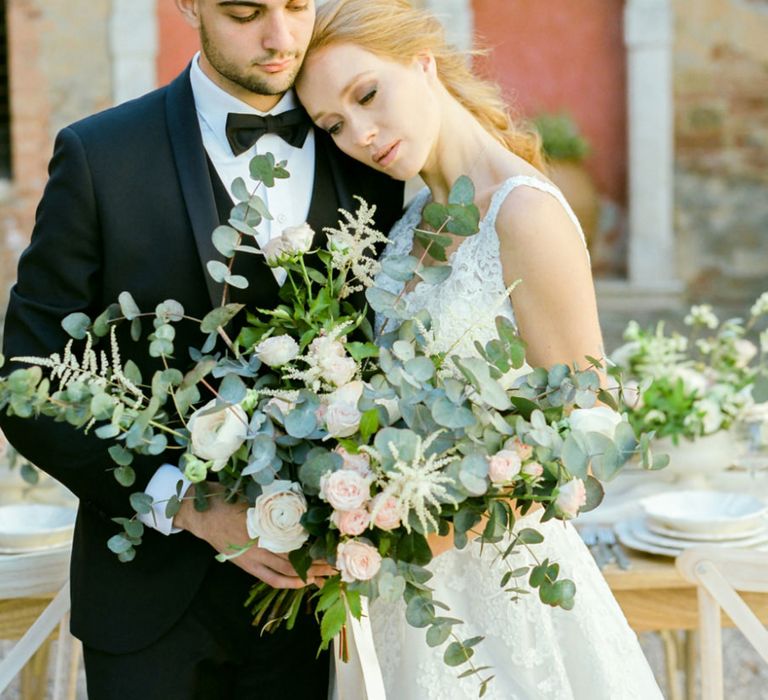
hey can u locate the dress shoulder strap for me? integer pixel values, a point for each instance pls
(536, 183)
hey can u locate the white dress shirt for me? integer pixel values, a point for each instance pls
(288, 202)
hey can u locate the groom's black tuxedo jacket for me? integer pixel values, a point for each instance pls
(130, 205)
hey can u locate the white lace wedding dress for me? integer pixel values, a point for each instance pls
(536, 652)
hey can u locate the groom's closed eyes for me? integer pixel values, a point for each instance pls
(244, 11)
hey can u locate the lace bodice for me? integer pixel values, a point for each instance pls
(474, 294)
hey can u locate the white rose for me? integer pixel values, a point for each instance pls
(623, 355)
(693, 381)
(275, 251)
(342, 418)
(599, 419)
(351, 522)
(277, 350)
(298, 239)
(572, 497)
(323, 348)
(338, 370)
(357, 561)
(385, 512)
(218, 435)
(345, 489)
(745, 351)
(504, 466)
(275, 518)
(360, 462)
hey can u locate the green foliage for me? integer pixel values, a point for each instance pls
(560, 137)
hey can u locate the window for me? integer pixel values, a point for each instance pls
(5, 112)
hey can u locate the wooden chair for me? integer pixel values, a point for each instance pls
(719, 573)
(28, 614)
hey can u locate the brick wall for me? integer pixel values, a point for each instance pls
(59, 72)
(721, 146)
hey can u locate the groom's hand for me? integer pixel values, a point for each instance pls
(223, 526)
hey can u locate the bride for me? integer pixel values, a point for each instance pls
(381, 80)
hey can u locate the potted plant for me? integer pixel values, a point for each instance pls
(565, 149)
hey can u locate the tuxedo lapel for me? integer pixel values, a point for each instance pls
(192, 169)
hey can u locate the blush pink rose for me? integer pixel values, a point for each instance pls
(504, 466)
(572, 497)
(360, 462)
(523, 451)
(385, 512)
(357, 561)
(351, 522)
(345, 489)
(533, 469)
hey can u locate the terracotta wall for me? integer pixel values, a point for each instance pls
(177, 42)
(565, 56)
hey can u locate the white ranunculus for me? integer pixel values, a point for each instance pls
(216, 436)
(357, 561)
(277, 350)
(275, 518)
(693, 381)
(298, 239)
(571, 497)
(599, 419)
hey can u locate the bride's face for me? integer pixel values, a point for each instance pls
(381, 112)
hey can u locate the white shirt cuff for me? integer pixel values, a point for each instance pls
(162, 487)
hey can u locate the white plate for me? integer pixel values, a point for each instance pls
(706, 511)
(628, 538)
(641, 531)
(708, 537)
(32, 525)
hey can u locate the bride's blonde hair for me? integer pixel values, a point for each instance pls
(395, 30)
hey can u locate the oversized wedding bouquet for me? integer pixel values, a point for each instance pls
(346, 447)
(696, 384)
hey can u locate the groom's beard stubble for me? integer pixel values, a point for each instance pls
(259, 85)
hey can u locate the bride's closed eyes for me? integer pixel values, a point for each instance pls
(369, 93)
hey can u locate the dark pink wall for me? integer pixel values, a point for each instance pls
(178, 42)
(569, 56)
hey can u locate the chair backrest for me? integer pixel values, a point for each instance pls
(718, 573)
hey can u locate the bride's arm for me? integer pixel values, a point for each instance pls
(555, 304)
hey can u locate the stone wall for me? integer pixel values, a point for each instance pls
(59, 72)
(721, 147)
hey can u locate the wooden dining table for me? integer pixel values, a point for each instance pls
(651, 592)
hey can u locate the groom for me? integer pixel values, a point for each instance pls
(133, 196)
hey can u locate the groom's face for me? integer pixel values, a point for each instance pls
(249, 46)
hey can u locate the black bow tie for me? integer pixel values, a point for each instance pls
(243, 130)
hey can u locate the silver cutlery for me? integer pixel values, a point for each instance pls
(607, 537)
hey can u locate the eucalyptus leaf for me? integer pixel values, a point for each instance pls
(219, 317)
(434, 274)
(128, 306)
(76, 325)
(462, 192)
(217, 270)
(225, 238)
(400, 267)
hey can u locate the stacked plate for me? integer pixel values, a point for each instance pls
(676, 521)
(32, 527)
